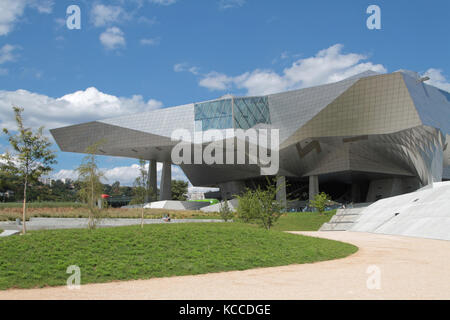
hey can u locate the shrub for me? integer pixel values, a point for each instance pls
(225, 211)
(245, 209)
(260, 205)
(320, 201)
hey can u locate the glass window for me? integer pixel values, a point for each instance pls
(214, 114)
(250, 111)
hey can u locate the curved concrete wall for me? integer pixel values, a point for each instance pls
(424, 213)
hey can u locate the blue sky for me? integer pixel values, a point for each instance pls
(137, 55)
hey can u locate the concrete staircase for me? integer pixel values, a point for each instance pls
(344, 218)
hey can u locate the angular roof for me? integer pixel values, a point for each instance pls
(367, 103)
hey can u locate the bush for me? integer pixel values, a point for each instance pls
(245, 209)
(261, 206)
(225, 211)
(320, 201)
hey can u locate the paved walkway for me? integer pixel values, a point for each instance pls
(410, 268)
(80, 223)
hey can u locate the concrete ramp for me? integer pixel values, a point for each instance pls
(176, 205)
(424, 213)
(232, 204)
(7, 233)
(343, 219)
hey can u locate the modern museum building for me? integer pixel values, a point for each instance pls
(361, 139)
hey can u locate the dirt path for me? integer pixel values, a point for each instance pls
(410, 268)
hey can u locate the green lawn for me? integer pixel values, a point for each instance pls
(302, 221)
(41, 258)
(49, 204)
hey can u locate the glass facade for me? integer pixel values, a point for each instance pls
(239, 113)
(248, 112)
(214, 114)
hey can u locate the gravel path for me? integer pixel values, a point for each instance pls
(410, 268)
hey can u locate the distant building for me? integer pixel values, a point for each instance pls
(45, 180)
(196, 195)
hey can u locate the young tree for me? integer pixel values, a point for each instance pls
(91, 187)
(261, 205)
(31, 157)
(246, 206)
(320, 201)
(225, 211)
(141, 190)
(179, 190)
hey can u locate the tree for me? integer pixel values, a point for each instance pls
(320, 201)
(115, 187)
(225, 211)
(91, 188)
(246, 207)
(31, 157)
(179, 190)
(141, 190)
(261, 205)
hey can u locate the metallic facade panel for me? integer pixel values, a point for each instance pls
(388, 125)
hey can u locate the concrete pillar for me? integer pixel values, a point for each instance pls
(152, 181)
(313, 186)
(281, 190)
(166, 182)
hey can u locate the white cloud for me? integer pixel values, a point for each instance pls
(112, 38)
(216, 81)
(185, 67)
(437, 79)
(228, 4)
(80, 106)
(102, 15)
(7, 53)
(163, 2)
(328, 65)
(42, 6)
(12, 10)
(149, 21)
(65, 174)
(60, 22)
(150, 41)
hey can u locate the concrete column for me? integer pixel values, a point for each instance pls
(313, 186)
(152, 181)
(281, 193)
(166, 182)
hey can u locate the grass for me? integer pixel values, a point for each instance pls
(302, 221)
(12, 213)
(50, 204)
(41, 258)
